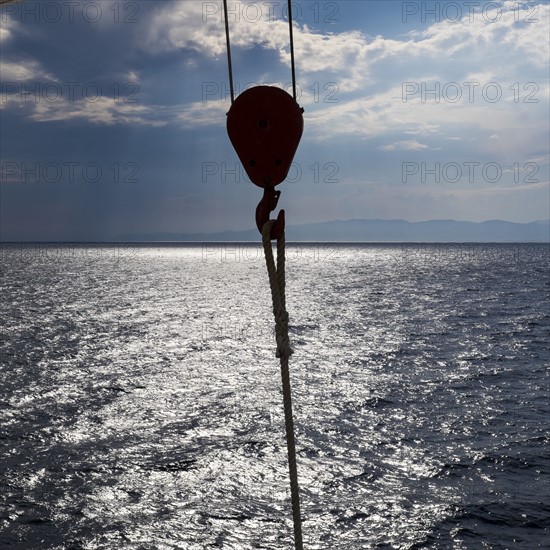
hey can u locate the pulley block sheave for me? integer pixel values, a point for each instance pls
(265, 125)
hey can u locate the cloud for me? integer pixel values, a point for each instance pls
(107, 111)
(352, 84)
(101, 110)
(104, 111)
(131, 76)
(369, 72)
(203, 113)
(200, 26)
(409, 145)
(24, 71)
(7, 28)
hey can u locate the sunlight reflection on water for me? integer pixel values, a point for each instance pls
(142, 405)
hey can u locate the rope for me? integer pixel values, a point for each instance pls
(228, 43)
(292, 48)
(284, 351)
(229, 64)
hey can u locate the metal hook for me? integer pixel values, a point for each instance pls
(263, 211)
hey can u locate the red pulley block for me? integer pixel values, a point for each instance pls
(265, 125)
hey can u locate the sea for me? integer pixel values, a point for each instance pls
(141, 403)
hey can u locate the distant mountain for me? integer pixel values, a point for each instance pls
(378, 231)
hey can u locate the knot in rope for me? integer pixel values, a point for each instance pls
(277, 284)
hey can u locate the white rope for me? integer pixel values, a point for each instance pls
(284, 351)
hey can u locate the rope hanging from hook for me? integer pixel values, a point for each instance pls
(284, 351)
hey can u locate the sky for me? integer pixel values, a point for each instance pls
(112, 114)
